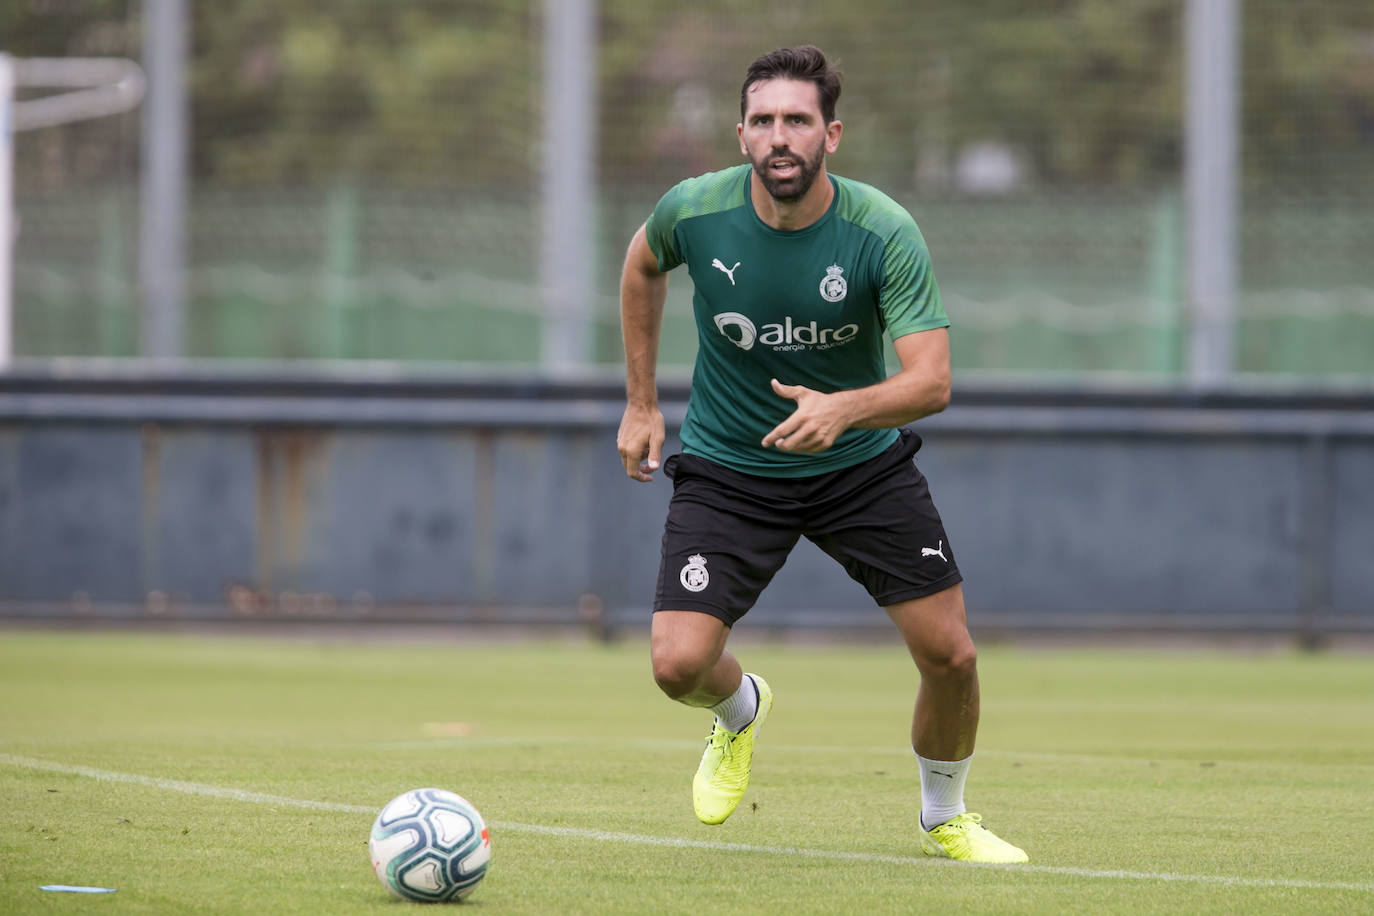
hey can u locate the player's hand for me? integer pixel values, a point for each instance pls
(640, 441)
(813, 426)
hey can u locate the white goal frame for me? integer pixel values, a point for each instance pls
(94, 87)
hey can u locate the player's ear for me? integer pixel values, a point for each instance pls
(832, 136)
(739, 132)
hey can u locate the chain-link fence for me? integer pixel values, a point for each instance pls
(365, 176)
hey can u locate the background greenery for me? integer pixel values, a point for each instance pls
(366, 173)
(301, 91)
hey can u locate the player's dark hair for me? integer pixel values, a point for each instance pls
(806, 63)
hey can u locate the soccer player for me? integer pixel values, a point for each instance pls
(793, 428)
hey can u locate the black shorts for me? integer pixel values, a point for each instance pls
(728, 533)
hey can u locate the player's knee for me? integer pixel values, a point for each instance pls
(958, 662)
(964, 662)
(676, 676)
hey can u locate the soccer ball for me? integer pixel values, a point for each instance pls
(430, 845)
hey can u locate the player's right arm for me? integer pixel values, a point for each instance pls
(643, 290)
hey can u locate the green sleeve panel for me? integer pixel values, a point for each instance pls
(909, 298)
(700, 196)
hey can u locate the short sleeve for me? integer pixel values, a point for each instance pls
(910, 298)
(659, 230)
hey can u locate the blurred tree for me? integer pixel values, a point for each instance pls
(1308, 94)
(448, 91)
(420, 91)
(65, 28)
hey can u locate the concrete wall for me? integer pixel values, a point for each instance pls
(141, 493)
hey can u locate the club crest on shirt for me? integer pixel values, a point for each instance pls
(833, 287)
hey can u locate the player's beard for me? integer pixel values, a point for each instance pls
(789, 190)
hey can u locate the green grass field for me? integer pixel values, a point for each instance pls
(227, 775)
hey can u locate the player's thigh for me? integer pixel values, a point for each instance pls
(724, 540)
(887, 533)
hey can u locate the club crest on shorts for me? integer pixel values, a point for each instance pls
(694, 577)
(833, 287)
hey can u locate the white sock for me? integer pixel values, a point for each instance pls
(736, 711)
(942, 789)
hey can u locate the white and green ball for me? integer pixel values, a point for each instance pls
(430, 845)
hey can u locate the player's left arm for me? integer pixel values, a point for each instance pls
(920, 389)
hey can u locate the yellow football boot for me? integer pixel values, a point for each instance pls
(965, 838)
(723, 774)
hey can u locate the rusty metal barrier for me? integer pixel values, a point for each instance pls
(135, 492)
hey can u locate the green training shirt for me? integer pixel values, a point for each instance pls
(807, 308)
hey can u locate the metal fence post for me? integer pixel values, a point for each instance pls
(1210, 166)
(567, 191)
(162, 210)
(6, 209)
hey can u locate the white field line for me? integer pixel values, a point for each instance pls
(607, 836)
